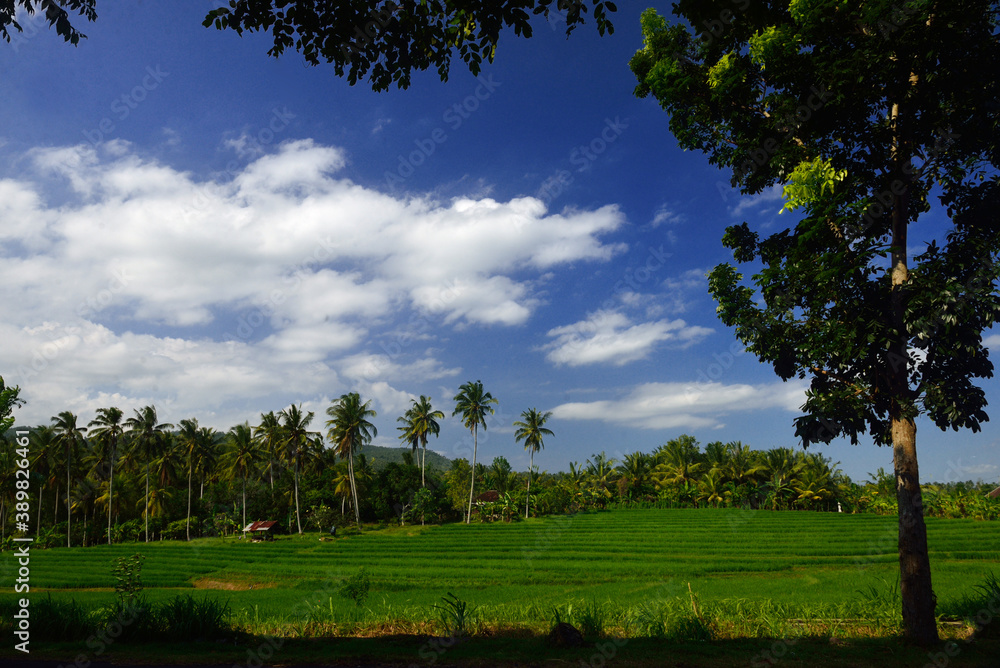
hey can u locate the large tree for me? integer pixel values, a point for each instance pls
(419, 422)
(387, 41)
(147, 439)
(349, 431)
(106, 431)
(863, 111)
(70, 438)
(242, 458)
(297, 441)
(531, 429)
(474, 403)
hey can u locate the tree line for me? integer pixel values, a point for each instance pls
(135, 478)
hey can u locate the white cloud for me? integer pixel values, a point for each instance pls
(684, 405)
(148, 282)
(609, 336)
(761, 202)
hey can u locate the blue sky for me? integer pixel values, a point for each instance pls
(187, 222)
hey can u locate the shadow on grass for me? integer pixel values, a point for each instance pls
(521, 649)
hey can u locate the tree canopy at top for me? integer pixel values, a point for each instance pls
(386, 41)
(55, 12)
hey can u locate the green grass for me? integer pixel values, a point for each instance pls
(776, 564)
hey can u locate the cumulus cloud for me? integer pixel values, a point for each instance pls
(610, 337)
(268, 280)
(761, 203)
(685, 405)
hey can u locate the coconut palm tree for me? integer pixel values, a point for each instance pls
(531, 429)
(107, 431)
(676, 465)
(710, 488)
(741, 464)
(420, 421)
(349, 431)
(241, 458)
(70, 437)
(269, 435)
(45, 464)
(601, 473)
(189, 443)
(635, 472)
(297, 442)
(207, 456)
(147, 439)
(473, 403)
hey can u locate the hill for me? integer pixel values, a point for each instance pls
(382, 456)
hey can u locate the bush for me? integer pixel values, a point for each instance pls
(184, 618)
(356, 587)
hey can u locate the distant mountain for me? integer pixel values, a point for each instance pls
(380, 457)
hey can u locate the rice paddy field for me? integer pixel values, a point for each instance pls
(761, 570)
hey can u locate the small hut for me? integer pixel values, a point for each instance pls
(261, 530)
(994, 494)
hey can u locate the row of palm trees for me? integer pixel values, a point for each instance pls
(721, 474)
(281, 441)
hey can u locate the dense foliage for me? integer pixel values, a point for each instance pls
(248, 474)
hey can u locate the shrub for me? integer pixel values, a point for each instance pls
(184, 618)
(356, 587)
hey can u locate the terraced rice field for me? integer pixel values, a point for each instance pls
(799, 560)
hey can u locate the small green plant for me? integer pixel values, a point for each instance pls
(981, 608)
(881, 602)
(356, 587)
(128, 579)
(456, 615)
(592, 620)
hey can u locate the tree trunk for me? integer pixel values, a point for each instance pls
(146, 512)
(244, 501)
(298, 517)
(916, 594)
(423, 460)
(914, 564)
(472, 483)
(68, 508)
(111, 489)
(188, 528)
(531, 465)
(354, 487)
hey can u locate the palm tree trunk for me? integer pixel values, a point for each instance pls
(55, 508)
(423, 460)
(38, 526)
(298, 517)
(472, 483)
(531, 466)
(244, 501)
(354, 487)
(68, 509)
(111, 488)
(146, 512)
(189, 504)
